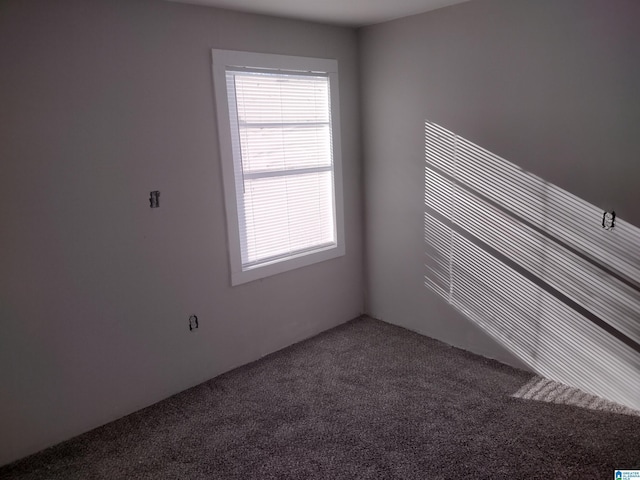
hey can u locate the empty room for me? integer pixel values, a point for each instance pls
(361, 239)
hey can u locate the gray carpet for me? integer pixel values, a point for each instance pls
(365, 400)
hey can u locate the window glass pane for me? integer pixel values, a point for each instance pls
(289, 214)
(281, 98)
(277, 148)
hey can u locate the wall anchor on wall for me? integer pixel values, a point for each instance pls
(608, 220)
(193, 322)
(154, 199)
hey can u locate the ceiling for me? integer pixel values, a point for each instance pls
(354, 13)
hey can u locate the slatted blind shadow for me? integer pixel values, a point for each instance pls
(531, 264)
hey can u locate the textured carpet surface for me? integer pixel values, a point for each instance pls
(365, 400)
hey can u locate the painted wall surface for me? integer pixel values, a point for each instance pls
(101, 103)
(549, 85)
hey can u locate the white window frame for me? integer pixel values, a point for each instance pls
(229, 59)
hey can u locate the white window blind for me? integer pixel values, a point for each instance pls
(281, 129)
(283, 157)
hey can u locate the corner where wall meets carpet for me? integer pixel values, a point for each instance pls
(366, 400)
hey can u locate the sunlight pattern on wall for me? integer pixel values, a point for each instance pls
(531, 264)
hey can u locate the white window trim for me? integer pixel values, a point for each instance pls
(222, 59)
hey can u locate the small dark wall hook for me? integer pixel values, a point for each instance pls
(608, 220)
(154, 199)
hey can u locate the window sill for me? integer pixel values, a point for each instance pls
(284, 265)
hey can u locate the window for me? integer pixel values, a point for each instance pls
(278, 122)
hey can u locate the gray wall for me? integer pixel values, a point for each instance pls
(102, 102)
(551, 85)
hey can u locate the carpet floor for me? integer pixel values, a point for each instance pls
(366, 400)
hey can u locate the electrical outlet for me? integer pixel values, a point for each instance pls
(154, 199)
(193, 322)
